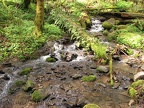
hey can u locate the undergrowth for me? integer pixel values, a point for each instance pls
(17, 36)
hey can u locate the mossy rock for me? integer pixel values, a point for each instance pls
(25, 71)
(107, 25)
(137, 83)
(110, 23)
(89, 78)
(91, 106)
(136, 89)
(28, 86)
(19, 83)
(37, 96)
(132, 92)
(51, 59)
(40, 94)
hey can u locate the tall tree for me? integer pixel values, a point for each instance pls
(39, 19)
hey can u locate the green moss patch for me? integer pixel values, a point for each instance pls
(136, 90)
(89, 78)
(51, 59)
(37, 96)
(28, 86)
(91, 106)
(19, 83)
(25, 71)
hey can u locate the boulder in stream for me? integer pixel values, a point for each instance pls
(103, 69)
(139, 75)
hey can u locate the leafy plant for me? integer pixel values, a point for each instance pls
(123, 5)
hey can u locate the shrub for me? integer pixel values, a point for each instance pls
(52, 29)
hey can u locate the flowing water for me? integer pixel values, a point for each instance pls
(62, 79)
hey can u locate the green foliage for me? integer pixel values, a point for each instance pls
(50, 59)
(25, 71)
(37, 96)
(89, 78)
(52, 29)
(99, 50)
(129, 51)
(123, 5)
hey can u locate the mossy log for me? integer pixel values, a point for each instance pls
(124, 15)
(73, 27)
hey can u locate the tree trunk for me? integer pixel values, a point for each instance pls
(39, 19)
(26, 4)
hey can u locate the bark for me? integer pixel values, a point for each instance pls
(26, 4)
(39, 19)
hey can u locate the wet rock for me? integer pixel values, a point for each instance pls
(6, 77)
(116, 57)
(68, 56)
(2, 72)
(139, 75)
(7, 64)
(116, 85)
(103, 69)
(77, 76)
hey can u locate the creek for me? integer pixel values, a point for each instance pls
(61, 80)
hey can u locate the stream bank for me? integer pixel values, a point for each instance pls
(61, 81)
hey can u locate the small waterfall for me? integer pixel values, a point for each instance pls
(96, 26)
(60, 48)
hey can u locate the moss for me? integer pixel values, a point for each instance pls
(91, 106)
(107, 25)
(89, 78)
(19, 83)
(25, 71)
(37, 96)
(112, 36)
(105, 32)
(28, 86)
(137, 83)
(50, 59)
(132, 92)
